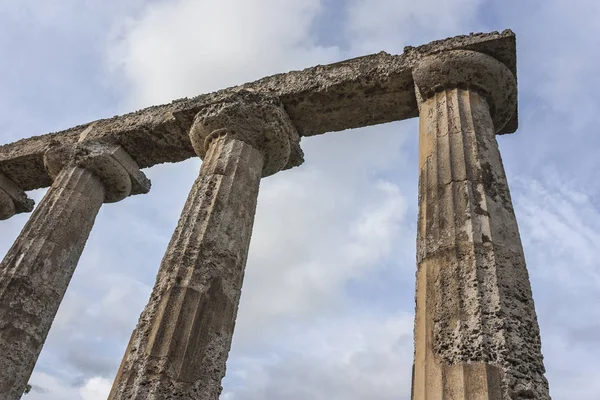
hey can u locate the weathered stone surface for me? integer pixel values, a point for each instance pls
(183, 337)
(180, 346)
(13, 200)
(119, 173)
(469, 70)
(476, 333)
(37, 269)
(363, 91)
(257, 119)
(35, 273)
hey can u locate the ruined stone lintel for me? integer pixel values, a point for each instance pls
(476, 332)
(13, 199)
(363, 91)
(180, 346)
(37, 269)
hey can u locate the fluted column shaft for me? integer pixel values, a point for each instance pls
(37, 269)
(476, 333)
(180, 346)
(182, 340)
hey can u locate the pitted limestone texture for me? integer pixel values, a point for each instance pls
(362, 91)
(117, 171)
(13, 199)
(181, 343)
(474, 300)
(469, 70)
(255, 119)
(36, 271)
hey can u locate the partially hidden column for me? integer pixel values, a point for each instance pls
(180, 346)
(36, 271)
(13, 199)
(476, 331)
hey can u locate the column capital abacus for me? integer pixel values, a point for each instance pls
(119, 173)
(465, 69)
(256, 119)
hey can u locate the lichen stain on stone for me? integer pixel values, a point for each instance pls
(478, 200)
(488, 179)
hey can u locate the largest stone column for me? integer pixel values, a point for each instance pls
(476, 333)
(180, 345)
(37, 269)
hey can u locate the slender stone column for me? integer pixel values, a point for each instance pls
(13, 200)
(180, 346)
(476, 332)
(37, 269)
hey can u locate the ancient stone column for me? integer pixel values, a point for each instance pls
(37, 269)
(13, 200)
(181, 343)
(476, 332)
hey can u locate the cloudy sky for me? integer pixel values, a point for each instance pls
(327, 306)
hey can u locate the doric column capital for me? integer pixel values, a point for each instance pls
(255, 119)
(469, 70)
(118, 172)
(13, 199)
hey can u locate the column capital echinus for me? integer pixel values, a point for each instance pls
(119, 173)
(256, 119)
(471, 70)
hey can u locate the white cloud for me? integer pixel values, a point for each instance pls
(187, 47)
(561, 225)
(55, 387)
(96, 388)
(375, 25)
(310, 239)
(57, 78)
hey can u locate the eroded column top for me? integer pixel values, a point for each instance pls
(118, 172)
(256, 119)
(469, 70)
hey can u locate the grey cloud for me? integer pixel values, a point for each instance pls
(356, 357)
